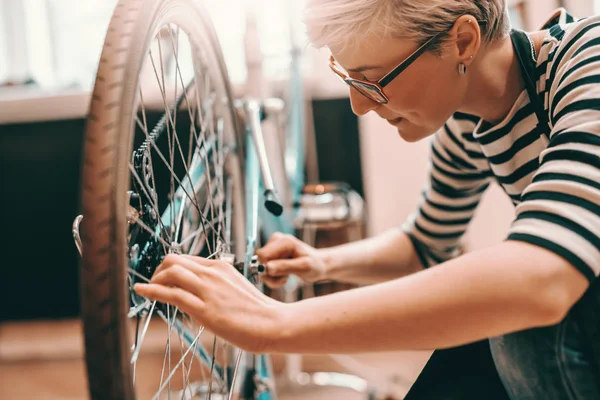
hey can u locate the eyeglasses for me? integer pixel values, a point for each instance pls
(374, 90)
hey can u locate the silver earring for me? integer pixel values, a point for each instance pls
(462, 69)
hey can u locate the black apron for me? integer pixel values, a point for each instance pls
(587, 310)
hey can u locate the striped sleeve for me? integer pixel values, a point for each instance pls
(458, 177)
(560, 209)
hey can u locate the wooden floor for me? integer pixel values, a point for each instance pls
(43, 360)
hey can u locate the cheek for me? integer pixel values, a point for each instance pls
(434, 94)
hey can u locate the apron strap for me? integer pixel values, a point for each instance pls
(524, 52)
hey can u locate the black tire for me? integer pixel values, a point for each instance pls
(106, 179)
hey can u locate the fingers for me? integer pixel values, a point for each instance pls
(274, 282)
(178, 297)
(278, 246)
(201, 260)
(278, 268)
(275, 236)
(190, 262)
(181, 277)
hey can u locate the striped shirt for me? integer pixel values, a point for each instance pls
(554, 182)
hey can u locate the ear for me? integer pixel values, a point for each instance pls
(465, 39)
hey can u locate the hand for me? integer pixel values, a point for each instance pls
(216, 295)
(284, 255)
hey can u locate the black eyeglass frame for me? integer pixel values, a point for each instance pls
(370, 89)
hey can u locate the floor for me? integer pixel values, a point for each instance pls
(43, 360)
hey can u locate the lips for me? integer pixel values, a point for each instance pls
(395, 120)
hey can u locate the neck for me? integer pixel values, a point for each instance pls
(495, 82)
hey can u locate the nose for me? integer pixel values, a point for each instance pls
(361, 104)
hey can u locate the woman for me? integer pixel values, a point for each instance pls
(522, 109)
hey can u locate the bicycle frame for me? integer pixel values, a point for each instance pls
(260, 219)
(257, 188)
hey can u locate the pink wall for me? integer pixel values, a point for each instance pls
(394, 173)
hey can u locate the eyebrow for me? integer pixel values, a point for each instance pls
(364, 68)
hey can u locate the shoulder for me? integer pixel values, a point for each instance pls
(573, 73)
(568, 36)
(576, 34)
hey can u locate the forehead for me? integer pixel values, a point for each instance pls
(372, 51)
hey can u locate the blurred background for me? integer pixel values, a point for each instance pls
(49, 52)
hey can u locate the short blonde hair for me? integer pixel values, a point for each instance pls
(340, 22)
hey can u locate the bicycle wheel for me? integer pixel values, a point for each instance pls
(161, 174)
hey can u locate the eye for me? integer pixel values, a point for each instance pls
(366, 78)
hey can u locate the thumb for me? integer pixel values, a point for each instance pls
(285, 267)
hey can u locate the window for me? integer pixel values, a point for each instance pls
(517, 12)
(57, 43)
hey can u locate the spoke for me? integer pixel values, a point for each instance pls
(235, 372)
(195, 204)
(187, 101)
(153, 200)
(170, 325)
(189, 370)
(203, 140)
(218, 162)
(167, 355)
(162, 387)
(136, 352)
(173, 175)
(134, 272)
(226, 368)
(164, 364)
(193, 135)
(187, 170)
(144, 189)
(184, 368)
(169, 120)
(192, 124)
(177, 223)
(202, 228)
(170, 133)
(162, 90)
(186, 240)
(136, 310)
(144, 128)
(137, 331)
(182, 188)
(182, 86)
(154, 206)
(162, 72)
(195, 234)
(153, 233)
(228, 211)
(206, 162)
(212, 367)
